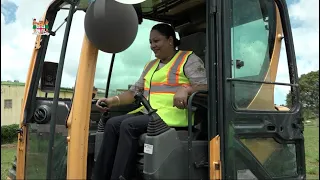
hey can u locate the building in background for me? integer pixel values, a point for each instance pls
(12, 99)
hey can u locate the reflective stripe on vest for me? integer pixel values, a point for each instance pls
(164, 83)
(173, 75)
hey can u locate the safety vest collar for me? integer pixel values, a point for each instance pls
(175, 65)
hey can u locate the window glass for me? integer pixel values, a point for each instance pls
(250, 45)
(252, 39)
(8, 103)
(73, 51)
(271, 155)
(38, 134)
(129, 64)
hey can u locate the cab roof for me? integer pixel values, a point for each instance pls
(181, 14)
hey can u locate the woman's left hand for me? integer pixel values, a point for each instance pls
(180, 98)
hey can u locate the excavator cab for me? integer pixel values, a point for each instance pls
(238, 133)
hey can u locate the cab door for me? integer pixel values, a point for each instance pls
(258, 141)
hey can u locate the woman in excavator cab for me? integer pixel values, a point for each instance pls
(166, 82)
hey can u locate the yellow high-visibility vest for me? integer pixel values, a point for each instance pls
(161, 85)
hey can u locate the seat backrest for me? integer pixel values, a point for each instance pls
(195, 42)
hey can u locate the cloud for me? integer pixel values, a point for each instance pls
(17, 42)
(8, 9)
(17, 49)
(304, 18)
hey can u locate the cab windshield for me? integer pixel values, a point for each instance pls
(128, 65)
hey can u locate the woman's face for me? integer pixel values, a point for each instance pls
(160, 44)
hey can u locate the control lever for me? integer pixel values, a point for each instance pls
(107, 113)
(156, 125)
(103, 104)
(140, 98)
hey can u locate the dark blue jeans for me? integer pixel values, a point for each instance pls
(119, 147)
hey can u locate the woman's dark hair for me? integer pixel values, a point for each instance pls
(167, 31)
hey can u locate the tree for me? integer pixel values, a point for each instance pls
(309, 94)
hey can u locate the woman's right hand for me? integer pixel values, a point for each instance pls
(107, 101)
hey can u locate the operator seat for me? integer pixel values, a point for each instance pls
(195, 42)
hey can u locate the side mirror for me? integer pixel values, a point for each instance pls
(48, 77)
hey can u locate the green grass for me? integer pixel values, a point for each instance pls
(7, 157)
(311, 149)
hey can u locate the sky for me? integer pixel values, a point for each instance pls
(17, 43)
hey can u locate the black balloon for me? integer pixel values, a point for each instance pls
(111, 26)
